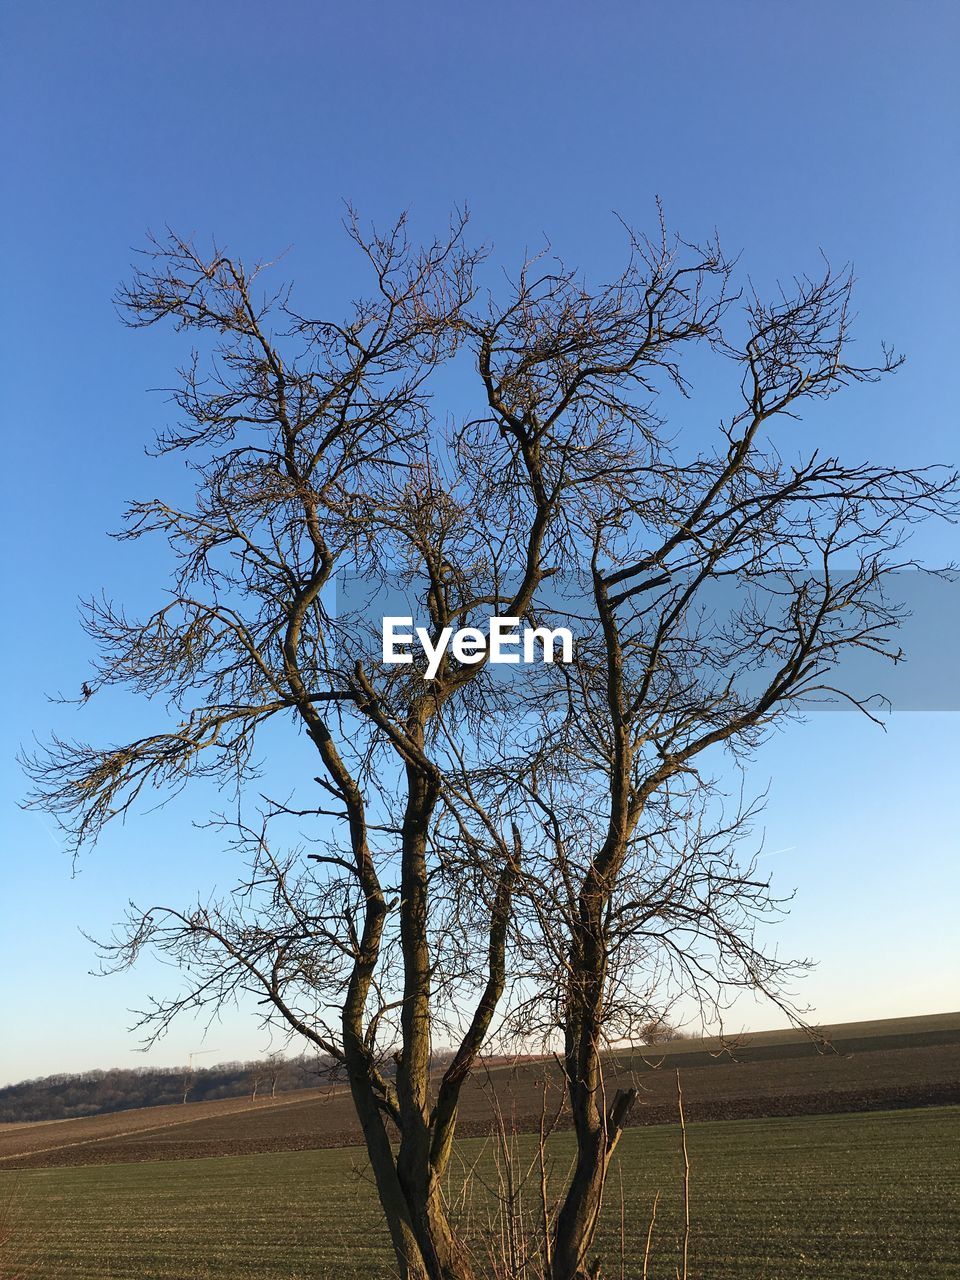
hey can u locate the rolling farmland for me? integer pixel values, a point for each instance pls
(872, 1066)
(805, 1164)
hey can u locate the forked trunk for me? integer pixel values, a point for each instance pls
(425, 1244)
(414, 1203)
(597, 1126)
(578, 1218)
(445, 1256)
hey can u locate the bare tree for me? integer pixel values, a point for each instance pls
(274, 1070)
(719, 594)
(545, 850)
(256, 1080)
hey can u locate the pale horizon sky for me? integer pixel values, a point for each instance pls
(790, 130)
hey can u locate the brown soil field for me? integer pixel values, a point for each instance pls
(868, 1066)
(18, 1140)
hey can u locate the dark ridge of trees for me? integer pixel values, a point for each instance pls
(89, 1093)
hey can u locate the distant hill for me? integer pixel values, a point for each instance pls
(889, 1063)
(92, 1093)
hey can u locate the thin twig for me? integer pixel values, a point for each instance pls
(686, 1179)
(653, 1219)
(623, 1228)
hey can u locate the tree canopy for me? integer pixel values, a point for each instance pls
(550, 855)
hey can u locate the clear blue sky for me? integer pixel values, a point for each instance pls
(787, 127)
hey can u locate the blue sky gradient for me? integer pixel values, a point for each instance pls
(789, 129)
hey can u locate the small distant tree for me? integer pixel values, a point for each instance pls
(256, 1080)
(546, 854)
(274, 1069)
(660, 1031)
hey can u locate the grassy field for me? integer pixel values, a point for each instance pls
(864, 1195)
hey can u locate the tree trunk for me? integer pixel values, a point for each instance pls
(426, 1246)
(580, 1215)
(577, 1221)
(443, 1254)
(597, 1126)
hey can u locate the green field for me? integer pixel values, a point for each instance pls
(867, 1195)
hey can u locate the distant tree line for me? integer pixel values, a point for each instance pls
(90, 1093)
